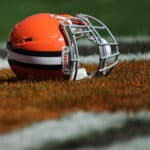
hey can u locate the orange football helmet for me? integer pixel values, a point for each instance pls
(45, 46)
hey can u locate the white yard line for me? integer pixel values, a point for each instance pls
(122, 57)
(74, 127)
(94, 58)
(136, 57)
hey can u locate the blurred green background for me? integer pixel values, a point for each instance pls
(123, 17)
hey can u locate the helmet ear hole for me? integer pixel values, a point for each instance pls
(28, 39)
(9, 43)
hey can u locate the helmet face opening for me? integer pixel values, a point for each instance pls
(103, 46)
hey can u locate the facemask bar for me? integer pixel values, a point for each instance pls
(88, 26)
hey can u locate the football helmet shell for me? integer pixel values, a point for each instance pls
(45, 46)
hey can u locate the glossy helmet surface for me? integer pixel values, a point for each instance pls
(45, 46)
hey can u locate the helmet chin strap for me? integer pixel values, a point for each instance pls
(81, 74)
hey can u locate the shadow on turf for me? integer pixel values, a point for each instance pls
(15, 80)
(10, 80)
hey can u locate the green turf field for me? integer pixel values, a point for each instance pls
(124, 17)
